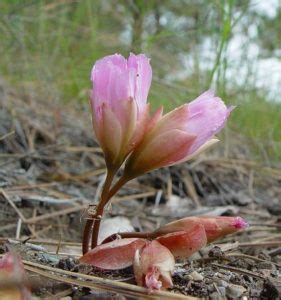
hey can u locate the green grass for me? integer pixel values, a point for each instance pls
(52, 45)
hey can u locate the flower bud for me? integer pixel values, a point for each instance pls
(118, 100)
(215, 227)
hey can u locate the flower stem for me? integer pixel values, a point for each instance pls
(90, 223)
(133, 234)
(100, 208)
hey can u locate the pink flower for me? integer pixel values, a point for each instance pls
(179, 135)
(153, 266)
(118, 99)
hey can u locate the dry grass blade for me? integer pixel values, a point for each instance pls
(240, 271)
(100, 283)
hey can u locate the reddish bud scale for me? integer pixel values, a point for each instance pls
(183, 244)
(215, 227)
(115, 255)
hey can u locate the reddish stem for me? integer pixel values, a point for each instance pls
(91, 222)
(100, 208)
(123, 235)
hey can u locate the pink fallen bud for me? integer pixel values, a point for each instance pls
(183, 244)
(118, 254)
(11, 268)
(153, 266)
(118, 100)
(179, 135)
(215, 227)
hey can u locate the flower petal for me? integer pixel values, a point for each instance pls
(207, 116)
(110, 80)
(197, 152)
(111, 134)
(142, 80)
(165, 150)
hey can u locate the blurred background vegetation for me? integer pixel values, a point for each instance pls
(233, 46)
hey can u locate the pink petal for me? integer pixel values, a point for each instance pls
(142, 78)
(207, 116)
(110, 80)
(115, 78)
(183, 244)
(111, 135)
(166, 149)
(118, 254)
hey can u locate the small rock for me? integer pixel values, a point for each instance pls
(235, 291)
(271, 289)
(114, 225)
(215, 296)
(67, 264)
(222, 291)
(195, 276)
(222, 283)
(255, 293)
(241, 199)
(274, 209)
(216, 252)
(83, 268)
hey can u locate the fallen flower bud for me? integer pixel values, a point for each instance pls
(153, 266)
(118, 254)
(183, 244)
(215, 227)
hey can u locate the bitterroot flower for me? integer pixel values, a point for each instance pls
(118, 100)
(179, 135)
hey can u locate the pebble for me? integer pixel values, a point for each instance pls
(235, 291)
(241, 199)
(222, 283)
(215, 296)
(195, 276)
(222, 291)
(274, 209)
